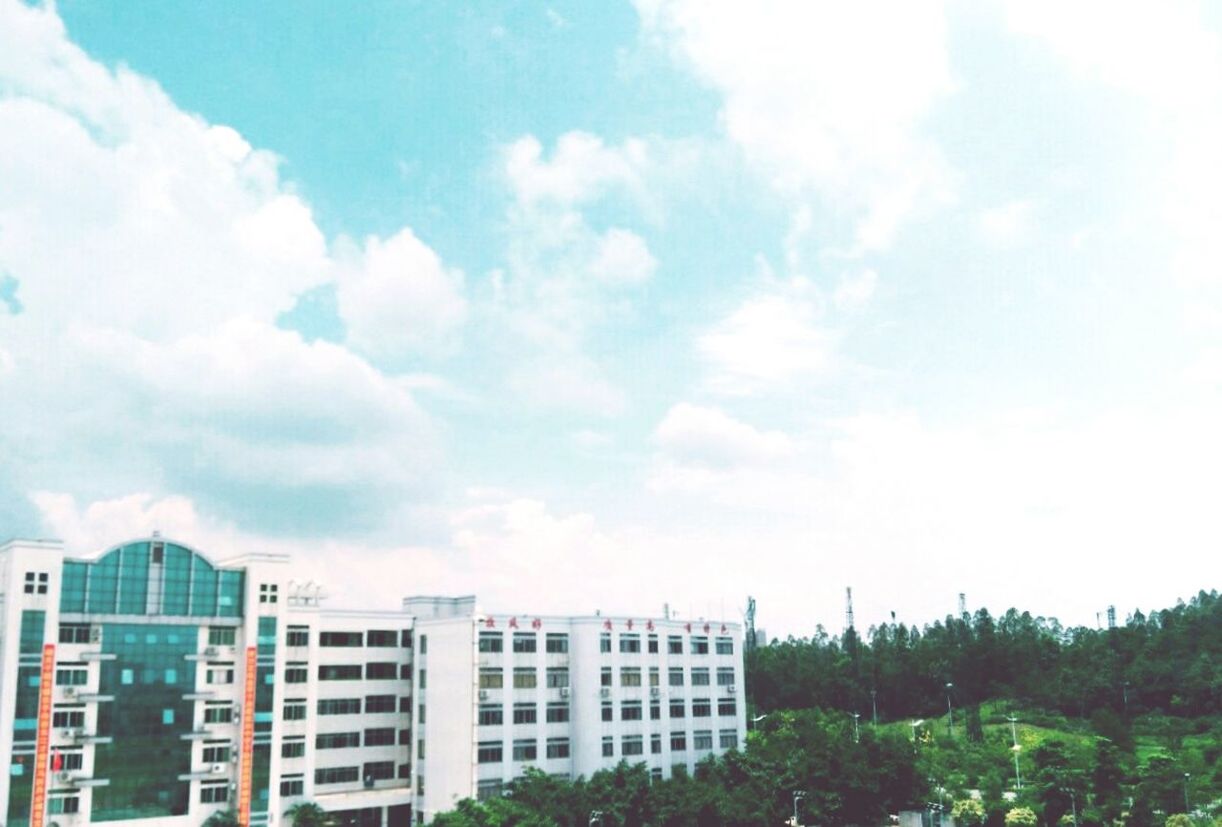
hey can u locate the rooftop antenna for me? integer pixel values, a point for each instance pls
(962, 604)
(848, 609)
(750, 618)
(1111, 617)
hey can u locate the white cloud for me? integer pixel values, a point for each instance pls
(822, 96)
(622, 258)
(855, 290)
(582, 168)
(398, 299)
(696, 435)
(1008, 224)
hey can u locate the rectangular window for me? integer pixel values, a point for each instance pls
(557, 678)
(725, 676)
(557, 747)
(557, 713)
(72, 718)
(728, 739)
(216, 753)
(491, 642)
(488, 788)
(337, 775)
(405, 638)
(630, 676)
(221, 635)
(629, 644)
(727, 706)
(379, 770)
(608, 746)
(339, 706)
(294, 711)
(382, 638)
(677, 709)
(74, 633)
(63, 804)
(608, 711)
(381, 671)
(297, 674)
(491, 679)
(701, 707)
(422, 682)
(420, 749)
(632, 745)
(676, 676)
(525, 713)
(700, 677)
(340, 672)
(290, 787)
(337, 740)
(557, 644)
(405, 706)
(292, 749)
(405, 737)
(653, 644)
(380, 737)
(346, 639)
(725, 645)
(525, 642)
(525, 678)
(655, 711)
(297, 636)
(678, 742)
(674, 645)
(525, 750)
(218, 714)
(424, 644)
(490, 715)
(213, 793)
(490, 752)
(702, 739)
(604, 642)
(606, 677)
(379, 703)
(700, 646)
(71, 677)
(420, 713)
(655, 744)
(630, 711)
(653, 676)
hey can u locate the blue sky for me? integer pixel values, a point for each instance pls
(586, 306)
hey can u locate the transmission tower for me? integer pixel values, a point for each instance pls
(750, 618)
(1111, 617)
(848, 609)
(962, 604)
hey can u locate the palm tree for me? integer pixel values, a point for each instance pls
(222, 818)
(309, 814)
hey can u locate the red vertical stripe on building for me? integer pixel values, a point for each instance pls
(46, 685)
(248, 740)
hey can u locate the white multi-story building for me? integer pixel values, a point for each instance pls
(153, 684)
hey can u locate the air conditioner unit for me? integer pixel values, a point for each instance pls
(217, 769)
(655, 691)
(210, 651)
(731, 689)
(564, 691)
(67, 733)
(483, 694)
(69, 691)
(95, 634)
(605, 692)
(76, 733)
(63, 775)
(233, 759)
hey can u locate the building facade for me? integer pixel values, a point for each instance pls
(151, 683)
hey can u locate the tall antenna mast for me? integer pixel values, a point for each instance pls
(848, 609)
(1111, 617)
(750, 618)
(962, 604)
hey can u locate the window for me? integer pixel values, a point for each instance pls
(63, 804)
(525, 678)
(405, 737)
(213, 793)
(653, 644)
(525, 750)
(525, 713)
(74, 633)
(557, 678)
(701, 707)
(379, 771)
(382, 638)
(632, 745)
(606, 676)
(297, 636)
(424, 644)
(405, 706)
(678, 741)
(337, 740)
(728, 739)
(35, 582)
(405, 672)
(268, 592)
(420, 749)
(73, 718)
(380, 737)
(379, 703)
(655, 711)
(557, 713)
(629, 644)
(608, 746)
(339, 706)
(525, 642)
(676, 676)
(725, 645)
(702, 739)
(630, 676)
(655, 744)
(336, 639)
(422, 681)
(405, 638)
(608, 711)
(381, 671)
(604, 642)
(655, 774)
(491, 642)
(72, 676)
(674, 645)
(557, 643)
(700, 646)
(700, 677)
(488, 788)
(725, 676)
(630, 711)
(677, 709)
(420, 713)
(297, 673)
(489, 752)
(222, 635)
(216, 753)
(336, 775)
(71, 760)
(557, 747)
(294, 710)
(218, 714)
(490, 715)
(727, 706)
(344, 672)
(491, 679)
(292, 749)
(292, 786)
(653, 676)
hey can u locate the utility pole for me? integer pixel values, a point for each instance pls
(1018, 781)
(950, 711)
(874, 705)
(856, 731)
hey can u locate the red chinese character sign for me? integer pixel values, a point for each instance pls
(649, 625)
(607, 625)
(46, 682)
(246, 775)
(489, 624)
(513, 623)
(629, 624)
(536, 624)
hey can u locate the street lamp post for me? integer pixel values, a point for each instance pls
(874, 705)
(798, 795)
(596, 817)
(1018, 779)
(949, 709)
(1073, 801)
(856, 730)
(1186, 777)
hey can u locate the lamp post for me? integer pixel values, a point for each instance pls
(1186, 777)
(596, 817)
(1073, 801)
(1125, 692)
(798, 795)
(949, 709)
(1018, 779)
(856, 730)
(874, 705)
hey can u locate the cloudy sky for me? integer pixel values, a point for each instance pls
(599, 305)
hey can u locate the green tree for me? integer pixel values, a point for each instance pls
(222, 818)
(309, 814)
(1021, 817)
(968, 812)
(1178, 820)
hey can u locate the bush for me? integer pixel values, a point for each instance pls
(1021, 817)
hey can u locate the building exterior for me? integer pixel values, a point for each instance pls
(151, 683)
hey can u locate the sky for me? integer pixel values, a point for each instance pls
(611, 306)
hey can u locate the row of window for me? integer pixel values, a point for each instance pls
(494, 715)
(631, 676)
(295, 708)
(493, 752)
(371, 771)
(376, 737)
(701, 708)
(702, 739)
(554, 643)
(378, 671)
(525, 642)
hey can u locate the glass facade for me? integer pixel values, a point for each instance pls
(147, 720)
(25, 717)
(151, 578)
(265, 706)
